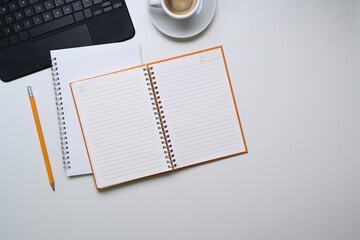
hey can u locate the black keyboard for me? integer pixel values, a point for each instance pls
(21, 20)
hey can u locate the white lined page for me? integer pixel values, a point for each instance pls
(119, 127)
(199, 108)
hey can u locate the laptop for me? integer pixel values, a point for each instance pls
(29, 29)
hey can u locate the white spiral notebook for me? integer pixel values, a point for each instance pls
(78, 63)
(158, 117)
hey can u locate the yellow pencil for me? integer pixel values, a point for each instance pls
(41, 138)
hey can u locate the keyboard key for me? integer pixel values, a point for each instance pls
(29, 11)
(39, 8)
(77, 6)
(117, 5)
(4, 43)
(50, 26)
(19, 15)
(58, 13)
(87, 3)
(8, 30)
(105, 4)
(23, 3)
(108, 9)
(67, 9)
(69, 1)
(48, 16)
(38, 19)
(59, 2)
(79, 16)
(33, 1)
(13, 39)
(9, 18)
(97, 1)
(18, 27)
(28, 23)
(97, 12)
(23, 36)
(87, 13)
(13, 6)
(49, 4)
(2, 22)
(4, 9)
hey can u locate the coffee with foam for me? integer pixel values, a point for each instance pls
(180, 7)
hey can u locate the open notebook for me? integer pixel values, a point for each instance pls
(79, 63)
(158, 117)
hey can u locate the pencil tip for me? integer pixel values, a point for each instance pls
(53, 186)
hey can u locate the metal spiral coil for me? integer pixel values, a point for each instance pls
(160, 117)
(60, 112)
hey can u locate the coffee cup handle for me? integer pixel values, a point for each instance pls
(155, 3)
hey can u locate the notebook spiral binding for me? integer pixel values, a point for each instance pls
(60, 113)
(160, 117)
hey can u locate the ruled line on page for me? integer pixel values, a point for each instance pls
(131, 169)
(202, 137)
(112, 144)
(124, 101)
(117, 138)
(99, 90)
(114, 97)
(196, 123)
(110, 161)
(115, 168)
(172, 71)
(205, 79)
(117, 152)
(210, 151)
(198, 116)
(131, 173)
(197, 74)
(121, 132)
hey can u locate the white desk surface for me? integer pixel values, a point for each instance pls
(294, 66)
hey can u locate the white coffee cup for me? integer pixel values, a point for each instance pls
(172, 12)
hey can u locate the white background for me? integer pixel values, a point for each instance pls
(294, 65)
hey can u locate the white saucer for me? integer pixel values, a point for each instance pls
(184, 28)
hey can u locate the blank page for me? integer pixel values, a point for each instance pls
(79, 63)
(119, 127)
(199, 107)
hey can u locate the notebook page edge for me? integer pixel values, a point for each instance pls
(234, 100)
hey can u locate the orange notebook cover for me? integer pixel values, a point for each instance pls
(159, 117)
